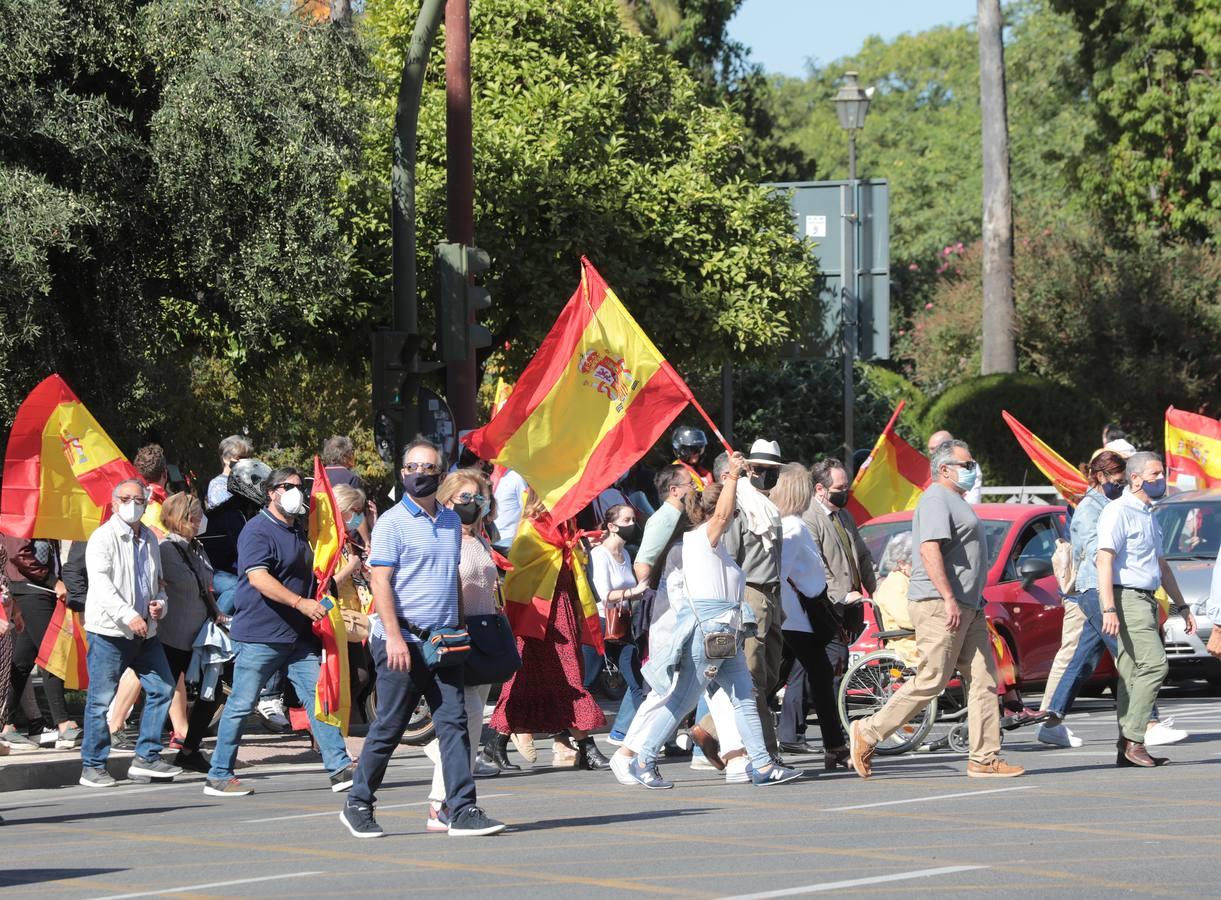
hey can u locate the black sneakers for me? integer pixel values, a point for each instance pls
(473, 822)
(359, 820)
(342, 780)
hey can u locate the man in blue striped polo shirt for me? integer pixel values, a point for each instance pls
(414, 563)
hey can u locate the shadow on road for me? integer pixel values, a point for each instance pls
(35, 876)
(591, 821)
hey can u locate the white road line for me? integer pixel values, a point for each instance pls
(857, 882)
(1028, 787)
(335, 811)
(199, 887)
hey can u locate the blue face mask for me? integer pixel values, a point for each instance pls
(355, 522)
(1155, 490)
(967, 478)
(1111, 490)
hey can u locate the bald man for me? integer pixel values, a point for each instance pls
(976, 494)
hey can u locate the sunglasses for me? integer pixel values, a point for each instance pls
(426, 468)
(468, 497)
(970, 465)
(285, 485)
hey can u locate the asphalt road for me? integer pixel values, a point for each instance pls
(1073, 826)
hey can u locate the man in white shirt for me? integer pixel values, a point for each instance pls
(1130, 569)
(508, 493)
(1214, 609)
(976, 493)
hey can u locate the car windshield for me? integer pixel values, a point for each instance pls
(1190, 530)
(878, 536)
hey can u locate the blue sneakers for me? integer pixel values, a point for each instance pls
(648, 776)
(777, 774)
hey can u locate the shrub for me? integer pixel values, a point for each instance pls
(1067, 419)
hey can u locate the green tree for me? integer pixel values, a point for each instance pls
(589, 141)
(1154, 67)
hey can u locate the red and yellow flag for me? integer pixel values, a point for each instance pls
(1193, 450)
(892, 478)
(333, 698)
(592, 401)
(64, 649)
(59, 467)
(1063, 475)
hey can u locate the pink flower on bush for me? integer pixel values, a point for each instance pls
(913, 268)
(928, 306)
(947, 251)
(958, 246)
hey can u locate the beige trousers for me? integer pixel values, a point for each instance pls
(1070, 636)
(941, 652)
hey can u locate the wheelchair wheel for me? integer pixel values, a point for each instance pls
(959, 738)
(866, 687)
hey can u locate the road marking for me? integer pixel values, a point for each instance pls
(214, 884)
(332, 812)
(857, 882)
(1028, 787)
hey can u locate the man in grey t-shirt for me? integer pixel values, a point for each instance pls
(946, 594)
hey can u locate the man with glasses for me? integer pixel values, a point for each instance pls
(947, 610)
(414, 560)
(124, 602)
(272, 628)
(976, 492)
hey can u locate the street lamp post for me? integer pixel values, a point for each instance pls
(851, 104)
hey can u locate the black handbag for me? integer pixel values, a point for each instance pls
(823, 620)
(493, 658)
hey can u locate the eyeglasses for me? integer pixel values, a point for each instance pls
(426, 468)
(970, 465)
(285, 485)
(137, 498)
(468, 497)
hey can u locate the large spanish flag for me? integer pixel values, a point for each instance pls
(892, 478)
(1060, 472)
(1193, 450)
(592, 401)
(59, 467)
(333, 698)
(64, 649)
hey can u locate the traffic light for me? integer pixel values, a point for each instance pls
(459, 300)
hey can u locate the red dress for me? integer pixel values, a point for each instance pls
(547, 694)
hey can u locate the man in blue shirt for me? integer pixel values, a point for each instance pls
(414, 562)
(272, 629)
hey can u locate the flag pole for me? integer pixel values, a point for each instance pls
(711, 424)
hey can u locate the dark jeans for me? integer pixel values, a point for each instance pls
(627, 658)
(37, 610)
(202, 710)
(812, 660)
(397, 696)
(108, 657)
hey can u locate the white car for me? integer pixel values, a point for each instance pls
(1191, 538)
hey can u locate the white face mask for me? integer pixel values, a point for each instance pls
(292, 501)
(203, 524)
(131, 512)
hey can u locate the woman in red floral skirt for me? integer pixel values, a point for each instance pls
(553, 611)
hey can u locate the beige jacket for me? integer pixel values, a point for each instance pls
(110, 560)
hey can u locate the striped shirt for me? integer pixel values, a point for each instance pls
(424, 553)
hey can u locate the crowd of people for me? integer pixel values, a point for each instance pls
(710, 591)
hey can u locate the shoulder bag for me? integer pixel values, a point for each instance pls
(493, 658)
(818, 609)
(717, 644)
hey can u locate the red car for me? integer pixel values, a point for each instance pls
(1023, 598)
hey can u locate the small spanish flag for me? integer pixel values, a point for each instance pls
(333, 698)
(1193, 450)
(892, 478)
(1060, 472)
(64, 649)
(59, 467)
(592, 401)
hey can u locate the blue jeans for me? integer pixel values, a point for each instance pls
(628, 660)
(108, 658)
(397, 696)
(591, 661)
(224, 585)
(253, 664)
(688, 686)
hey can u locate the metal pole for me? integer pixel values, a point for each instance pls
(848, 285)
(460, 381)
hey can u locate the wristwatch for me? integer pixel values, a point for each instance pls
(1182, 609)
(1111, 610)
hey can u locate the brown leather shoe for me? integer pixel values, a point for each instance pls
(709, 746)
(860, 750)
(1133, 754)
(997, 768)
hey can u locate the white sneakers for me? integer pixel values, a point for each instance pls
(272, 710)
(735, 770)
(1058, 736)
(1159, 734)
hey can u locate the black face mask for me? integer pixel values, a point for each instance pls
(838, 499)
(419, 484)
(629, 533)
(1112, 491)
(468, 512)
(765, 479)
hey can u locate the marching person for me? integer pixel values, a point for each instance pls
(126, 598)
(673, 483)
(689, 446)
(232, 449)
(414, 560)
(1130, 568)
(272, 628)
(975, 493)
(947, 609)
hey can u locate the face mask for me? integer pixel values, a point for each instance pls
(967, 478)
(355, 522)
(419, 484)
(131, 511)
(468, 512)
(765, 479)
(629, 533)
(1111, 490)
(203, 524)
(1155, 489)
(292, 501)
(838, 499)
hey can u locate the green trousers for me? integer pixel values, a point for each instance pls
(1142, 660)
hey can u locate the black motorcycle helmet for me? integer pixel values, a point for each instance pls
(687, 440)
